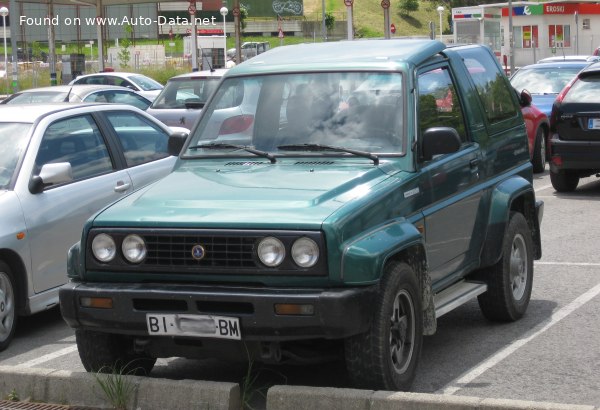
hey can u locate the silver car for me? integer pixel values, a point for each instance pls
(59, 164)
(180, 102)
(79, 93)
(144, 85)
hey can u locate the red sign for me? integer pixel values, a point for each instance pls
(236, 11)
(192, 9)
(348, 3)
(280, 33)
(385, 4)
(392, 28)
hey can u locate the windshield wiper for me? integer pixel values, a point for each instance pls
(320, 147)
(221, 145)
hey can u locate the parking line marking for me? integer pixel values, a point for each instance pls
(467, 377)
(568, 263)
(543, 187)
(49, 356)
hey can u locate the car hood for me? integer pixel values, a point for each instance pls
(247, 195)
(544, 102)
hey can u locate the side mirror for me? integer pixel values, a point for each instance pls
(51, 174)
(438, 141)
(525, 98)
(176, 142)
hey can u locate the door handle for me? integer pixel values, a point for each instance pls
(474, 163)
(122, 186)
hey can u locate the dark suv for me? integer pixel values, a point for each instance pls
(358, 191)
(575, 139)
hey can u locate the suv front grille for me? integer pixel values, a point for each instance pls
(221, 251)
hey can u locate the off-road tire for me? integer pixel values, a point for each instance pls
(110, 353)
(8, 306)
(564, 181)
(539, 151)
(510, 280)
(397, 315)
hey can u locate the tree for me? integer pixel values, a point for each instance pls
(243, 16)
(329, 21)
(124, 54)
(407, 6)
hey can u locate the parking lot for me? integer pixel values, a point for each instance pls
(552, 354)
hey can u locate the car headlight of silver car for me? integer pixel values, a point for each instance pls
(134, 248)
(305, 252)
(104, 248)
(271, 251)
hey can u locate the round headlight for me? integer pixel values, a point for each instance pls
(134, 248)
(305, 252)
(104, 248)
(271, 251)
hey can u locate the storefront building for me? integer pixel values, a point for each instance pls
(540, 29)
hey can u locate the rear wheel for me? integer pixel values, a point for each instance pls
(564, 181)
(386, 356)
(539, 151)
(109, 353)
(8, 309)
(510, 280)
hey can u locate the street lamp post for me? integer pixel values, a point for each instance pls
(4, 13)
(224, 12)
(440, 10)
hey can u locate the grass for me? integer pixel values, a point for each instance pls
(116, 386)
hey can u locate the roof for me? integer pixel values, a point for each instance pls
(358, 54)
(28, 113)
(219, 72)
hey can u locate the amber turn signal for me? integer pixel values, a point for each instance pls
(293, 309)
(98, 303)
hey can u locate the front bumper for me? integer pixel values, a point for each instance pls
(338, 313)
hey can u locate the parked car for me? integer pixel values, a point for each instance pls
(545, 80)
(59, 164)
(144, 85)
(250, 49)
(79, 93)
(575, 122)
(538, 129)
(180, 102)
(332, 228)
(556, 59)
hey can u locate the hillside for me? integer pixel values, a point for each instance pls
(368, 16)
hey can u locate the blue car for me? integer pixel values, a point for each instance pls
(545, 80)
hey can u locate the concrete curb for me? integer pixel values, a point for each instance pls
(83, 389)
(316, 398)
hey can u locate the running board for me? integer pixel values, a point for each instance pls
(456, 295)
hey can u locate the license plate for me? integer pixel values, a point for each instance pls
(594, 124)
(222, 327)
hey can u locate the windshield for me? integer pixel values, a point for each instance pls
(146, 83)
(177, 92)
(281, 114)
(37, 97)
(544, 80)
(13, 141)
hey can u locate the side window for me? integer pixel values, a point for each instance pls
(142, 141)
(438, 102)
(78, 141)
(492, 86)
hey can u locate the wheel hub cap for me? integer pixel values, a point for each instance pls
(518, 267)
(6, 307)
(402, 332)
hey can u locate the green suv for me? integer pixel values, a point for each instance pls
(332, 201)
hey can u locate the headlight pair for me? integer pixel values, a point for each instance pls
(133, 247)
(271, 252)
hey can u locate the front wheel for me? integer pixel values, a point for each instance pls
(386, 356)
(109, 353)
(511, 279)
(8, 310)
